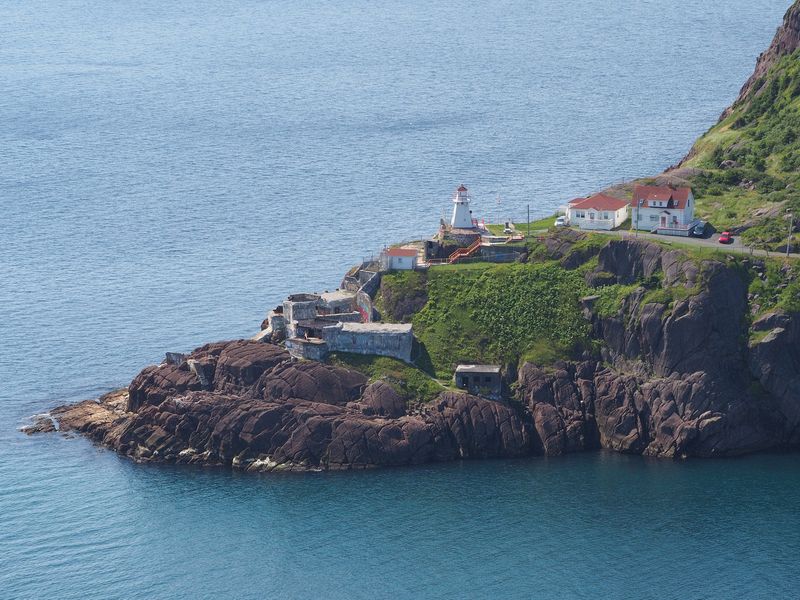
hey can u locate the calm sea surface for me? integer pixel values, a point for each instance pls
(170, 170)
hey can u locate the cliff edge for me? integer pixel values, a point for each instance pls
(683, 356)
(785, 42)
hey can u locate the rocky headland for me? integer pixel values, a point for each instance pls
(680, 355)
(697, 376)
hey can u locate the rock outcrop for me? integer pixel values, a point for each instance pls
(786, 41)
(680, 372)
(678, 379)
(263, 410)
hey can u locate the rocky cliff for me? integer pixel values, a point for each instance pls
(262, 410)
(677, 379)
(785, 42)
(682, 356)
(679, 371)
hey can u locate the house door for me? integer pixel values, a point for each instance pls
(663, 221)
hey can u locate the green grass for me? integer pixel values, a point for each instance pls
(758, 336)
(538, 225)
(695, 252)
(779, 288)
(760, 144)
(410, 382)
(729, 207)
(490, 313)
(586, 249)
(402, 294)
(609, 304)
(498, 314)
(463, 266)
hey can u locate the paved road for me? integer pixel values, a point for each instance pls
(710, 242)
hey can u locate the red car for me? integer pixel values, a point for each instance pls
(725, 238)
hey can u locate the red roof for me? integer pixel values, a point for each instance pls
(403, 252)
(674, 197)
(461, 188)
(599, 202)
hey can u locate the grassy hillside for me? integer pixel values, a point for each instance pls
(511, 313)
(497, 314)
(411, 383)
(746, 169)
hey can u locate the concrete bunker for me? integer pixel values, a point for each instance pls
(481, 380)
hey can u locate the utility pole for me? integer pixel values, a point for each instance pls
(789, 237)
(529, 221)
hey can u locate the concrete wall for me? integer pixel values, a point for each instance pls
(501, 253)
(371, 284)
(340, 301)
(300, 348)
(371, 338)
(364, 305)
(478, 385)
(299, 307)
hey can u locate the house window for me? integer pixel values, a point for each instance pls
(591, 216)
(487, 379)
(654, 218)
(605, 216)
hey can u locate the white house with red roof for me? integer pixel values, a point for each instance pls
(597, 212)
(663, 209)
(399, 259)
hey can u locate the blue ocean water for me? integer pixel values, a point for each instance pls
(170, 170)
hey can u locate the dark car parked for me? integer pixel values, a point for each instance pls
(699, 229)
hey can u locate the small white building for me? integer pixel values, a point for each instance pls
(597, 212)
(663, 209)
(399, 259)
(462, 215)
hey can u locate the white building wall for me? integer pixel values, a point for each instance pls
(402, 263)
(597, 219)
(462, 218)
(649, 217)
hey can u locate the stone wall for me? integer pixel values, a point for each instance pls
(299, 307)
(380, 339)
(308, 349)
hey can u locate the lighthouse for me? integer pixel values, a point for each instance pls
(462, 215)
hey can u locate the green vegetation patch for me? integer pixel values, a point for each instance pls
(500, 314)
(538, 225)
(611, 297)
(402, 293)
(410, 382)
(751, 160)
(584, 250)
(778, 287)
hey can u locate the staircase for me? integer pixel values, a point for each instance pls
(464, 252)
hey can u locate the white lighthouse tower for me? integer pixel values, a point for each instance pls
(462, 216)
